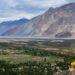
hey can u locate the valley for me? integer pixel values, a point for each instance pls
(36, 57)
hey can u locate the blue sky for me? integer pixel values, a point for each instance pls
(16, 9)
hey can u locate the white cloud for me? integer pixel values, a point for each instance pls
(45, 3)
(18, 16)
(15, 9)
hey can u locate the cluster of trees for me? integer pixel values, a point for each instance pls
(29, 51)
(33, 50)
(31, 68)
(38, 51)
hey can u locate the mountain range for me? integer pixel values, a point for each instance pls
(56, 22)
(11, 25)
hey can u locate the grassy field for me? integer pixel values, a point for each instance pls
(23, 58)
(34, 51)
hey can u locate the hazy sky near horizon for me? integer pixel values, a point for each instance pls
(15, 9)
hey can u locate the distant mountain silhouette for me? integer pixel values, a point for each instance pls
(9, 25)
